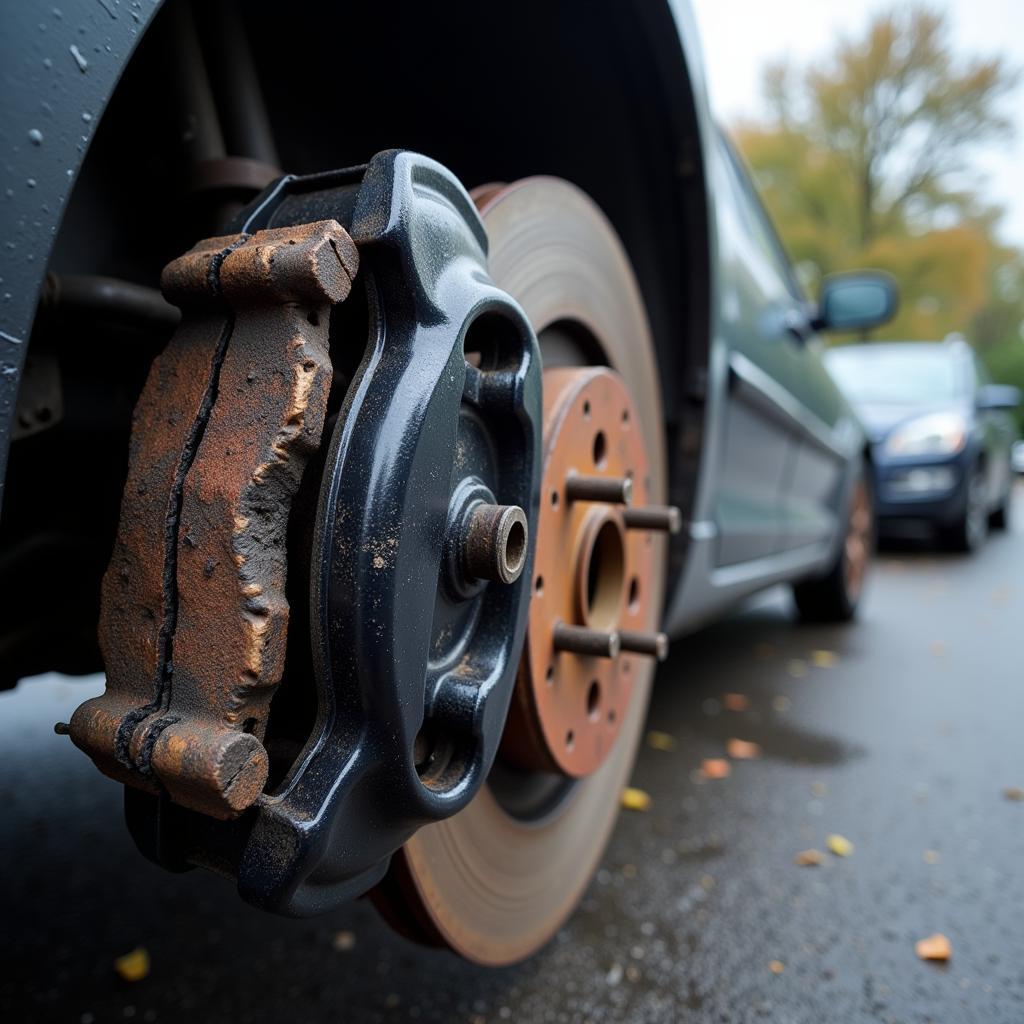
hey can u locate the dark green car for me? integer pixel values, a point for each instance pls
(384, 478)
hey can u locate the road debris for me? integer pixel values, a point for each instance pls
(133, 966)
(743, 750)
(660, 740)
(839, 845)
(809, 858)
(935, 947)
(715, 768)
(635, 799)
(735, 702)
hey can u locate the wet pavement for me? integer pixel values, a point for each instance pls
(901, 733)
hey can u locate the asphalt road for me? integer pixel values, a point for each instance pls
(901, 733)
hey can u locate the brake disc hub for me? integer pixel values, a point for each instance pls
(592, 568)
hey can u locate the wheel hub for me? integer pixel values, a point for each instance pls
(590, 603)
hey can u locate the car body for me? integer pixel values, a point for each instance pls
(1017, 457)
(181, 121)
(941, 433)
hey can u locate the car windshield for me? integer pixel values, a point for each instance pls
(894, 376)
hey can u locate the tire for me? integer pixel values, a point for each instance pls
(999, 519)
(969, 532)
(835, 596)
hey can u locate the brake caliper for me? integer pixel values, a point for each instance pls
(418, 561)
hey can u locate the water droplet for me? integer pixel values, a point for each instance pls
(35, 137)
(82, 63)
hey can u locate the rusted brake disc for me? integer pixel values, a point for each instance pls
(194, 616)
(593, 560)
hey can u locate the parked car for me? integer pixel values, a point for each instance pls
(1017, 457)
(941, 435)
(378, 603)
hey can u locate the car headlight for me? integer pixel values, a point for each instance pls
(939, 433)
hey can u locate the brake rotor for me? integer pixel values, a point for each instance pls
(496, 881)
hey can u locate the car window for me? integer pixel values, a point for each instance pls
(900, 376)
(755, 218)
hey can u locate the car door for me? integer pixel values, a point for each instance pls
(779, 464)
(998, 434)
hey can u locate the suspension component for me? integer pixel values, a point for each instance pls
(413, 529)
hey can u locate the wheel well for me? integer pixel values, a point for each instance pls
(595, 92)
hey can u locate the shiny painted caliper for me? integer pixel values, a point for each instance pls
(407, 534)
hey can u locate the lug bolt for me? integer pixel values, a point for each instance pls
(496, 542)
(615, 490)
(581, 640)
(666, 518)
(654, 644)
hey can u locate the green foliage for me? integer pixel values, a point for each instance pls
(864, 160)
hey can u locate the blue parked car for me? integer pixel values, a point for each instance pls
(941, 436)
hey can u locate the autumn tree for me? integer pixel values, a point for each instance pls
(864, 159)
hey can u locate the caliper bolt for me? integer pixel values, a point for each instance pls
(581, 640)
(615, 490)
(496, 542)
(666, 518)
(654, 644)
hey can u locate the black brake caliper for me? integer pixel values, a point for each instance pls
(420, 566)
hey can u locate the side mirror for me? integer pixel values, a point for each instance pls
(856, 301)
(997, 396)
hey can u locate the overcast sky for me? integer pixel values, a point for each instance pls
(740, 36)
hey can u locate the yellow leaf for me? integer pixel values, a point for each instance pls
(1014, 793)
(776, 966)
(797, 668)
(661, 740)
(819, 788)
(935, 947)
(133, 966)
(823, 659)
(742, 750)
(635, 799)
(809, 858)
(931, 856)
(839, 845)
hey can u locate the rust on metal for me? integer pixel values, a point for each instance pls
(193, 616)
(590, 578)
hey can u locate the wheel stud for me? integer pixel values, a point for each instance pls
(581, 640)
(654, 644)
(496, 542)
(666, 518)
(615, 490)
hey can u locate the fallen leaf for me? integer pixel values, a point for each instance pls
(635, 799)
(819, 788)
(823, 659)
(931, 856)
(938, 649)
(715, 768)
(742, 750)
(780, 703)
(935, 947)
(133, 966)
(735, 702)
(764, 651)
(776, 966)
(1014, 793)
(707, 882)
(809, 858)
(797, 668)
(839, 845)
(343, 942)
(660, 740)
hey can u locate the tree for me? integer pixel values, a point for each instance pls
(864, 159)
